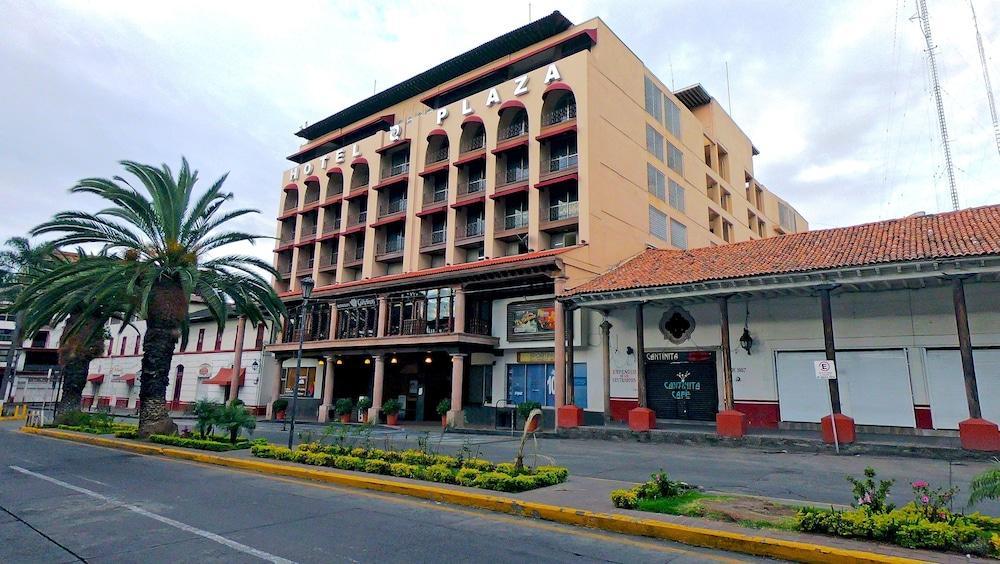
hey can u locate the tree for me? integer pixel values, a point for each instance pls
(55, 295)
(166, 238)
(18, 265)
(206, 414)
(234, 417)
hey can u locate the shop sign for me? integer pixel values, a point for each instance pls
(531, 321)
(536, 357)
(368, 301)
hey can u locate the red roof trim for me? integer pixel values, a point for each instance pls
(312, 178)
(554, 131)
(359, 161)
(443, 269)
(971, 232)
(556, 86)
(354, 229)
(521, 141)
(592, 33)
(333, 200)
(469, 201)
(95, 378)
(388, 119)
(288, 214)
(391, 181)
(510, 190)
(436, 132)
(471, 157)
(334, 170)
(285, 247)
(329, 235)
(394, 218)
(357, 193)
(311, 207)
(511, 104)
(392, 146)
(433, 209)
(472, 119)
(436, 167)
(558, 179)
(291, 186)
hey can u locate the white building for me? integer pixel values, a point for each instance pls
(36, 360)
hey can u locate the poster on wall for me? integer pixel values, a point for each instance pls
(531, 321)
(624, 373)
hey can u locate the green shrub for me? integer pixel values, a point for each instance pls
(391, 406)
(373, 466)
(280, 404)
(495, 481)
(345, 462)
(416, 457)
(127, 434)
(403, 470)
(440, 473)
(359, 452)
(343, 406)
(524, 409)
(317, 458)
(478, 464)
(449, 461)
(560, 472)
(525, 482)
(625, 499)
(443, 407)
(200, 444)
(507, 468)
(467, 476)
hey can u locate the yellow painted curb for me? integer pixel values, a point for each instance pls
(697, 536)
(13, 418)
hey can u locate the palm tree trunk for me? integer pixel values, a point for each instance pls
(76, 350)
(74, 378)
(167, 309)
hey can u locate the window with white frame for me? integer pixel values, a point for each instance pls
(658, 224)
(656, 182)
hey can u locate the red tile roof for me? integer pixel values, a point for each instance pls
(468, 266)
(965, 233)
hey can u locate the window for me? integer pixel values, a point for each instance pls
(201, 339)
(218, 339)
(673, 117)
(121, 348)
(786, 217)
(421, 312)
(184, 341)
(138, 341)
(654, 142)
(676, 196)
(536, 382)
(40, 340)
(111, 346)
(178, 381)
(653, 99)
(675, 158)
(656, 181)
(357, 318)
(562, 239)
(480, 389)
(307, 384)
(657, 223)
(727, 231)
(260, 336)
(678, 234)
(726, 200)
(6, 335)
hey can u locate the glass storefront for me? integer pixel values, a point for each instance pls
(306, 388)
(536, 382)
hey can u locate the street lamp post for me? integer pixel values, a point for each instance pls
(307, 287)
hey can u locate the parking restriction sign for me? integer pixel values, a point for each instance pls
(825, 369)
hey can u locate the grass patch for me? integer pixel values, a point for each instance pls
(744, 511)
(687, 504)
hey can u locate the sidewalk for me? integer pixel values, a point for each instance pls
(580, 501)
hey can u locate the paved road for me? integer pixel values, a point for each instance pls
(61, 502)
(799, 476)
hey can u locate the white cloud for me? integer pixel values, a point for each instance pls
(841, 170)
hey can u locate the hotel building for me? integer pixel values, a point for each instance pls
(439, 219)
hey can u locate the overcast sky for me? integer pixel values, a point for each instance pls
(834, 94)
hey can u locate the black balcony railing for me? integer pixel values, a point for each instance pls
(564, 210)
(433, 238)
(331, 225)
(514, 130)
(474, 228)
(395, 170)
(512, 175)
(472, 186)
(391, 246)
(515, 220)
(390, 208)
(474, 144)
(312, 196)
(477, 326)
(437, 156)
(559, 115)
(563, 162)
(436, 196)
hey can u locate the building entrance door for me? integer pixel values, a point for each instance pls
(682, 385)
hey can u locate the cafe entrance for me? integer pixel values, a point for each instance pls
(682, 385)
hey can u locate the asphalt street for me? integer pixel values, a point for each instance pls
(819, 478)
(63, 502)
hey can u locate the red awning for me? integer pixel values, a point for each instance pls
(129, 379)
(95, 378)
(556, 86)
(472, 119)
(359, 161)
(435, 132)
(510, 104)
(334, 170)
(312, 178)
(291, 186)
(224, 377)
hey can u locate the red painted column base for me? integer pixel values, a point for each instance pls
(569, 417)
(730, 423)
(979, 434)
(845, 429)
(641, 419)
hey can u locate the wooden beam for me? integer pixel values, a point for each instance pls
(829, 345)
(640, 352)
(965, 347)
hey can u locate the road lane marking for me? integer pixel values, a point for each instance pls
(165, 520)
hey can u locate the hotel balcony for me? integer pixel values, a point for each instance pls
(355, 257)
(435, 201)
(328, 263)
(439, 156)
(356, 223)
(559, 116)
(471, 234)
(387, 210)
(513, 131)
(509, 177)
(331, 227)
(305, 267)
(390, 173)
(472, 145)
(308, 235)
(560, 216)
(554, 168)
(471, 187)
(433, 241)
(390, 249)
(512, 225)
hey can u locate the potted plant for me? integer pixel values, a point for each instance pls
(391, 409)
(278, 407)
(343, 409)
(443, 407)
(524, 410)
(364, 404)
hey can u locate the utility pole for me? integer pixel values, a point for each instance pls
(986, 78)
(925, 26)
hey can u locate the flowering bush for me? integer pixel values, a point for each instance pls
(658, 485)
(933, 503)
(871, 496)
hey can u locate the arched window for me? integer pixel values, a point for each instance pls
(178, 383)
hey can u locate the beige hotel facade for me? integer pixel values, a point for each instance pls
(440, 217)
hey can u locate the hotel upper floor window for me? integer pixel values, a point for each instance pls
(259, 343)
(654, 99)
(562, 154)
(399, 163)
(357, 318)
(656, 182)
(675, 158)
(421, 312)
(218, 339)
(673, 117)
(518, 126)
(317, 323)
(138, 340)
(678, 234)
(201, 339)
(654, 142)
(121, 351)
(676, 196)
(786, 217)
(658, 224)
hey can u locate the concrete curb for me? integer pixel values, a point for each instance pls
(12, 418)
(696, 536)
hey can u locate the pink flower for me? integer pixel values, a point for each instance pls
(925, 499)
(920, 484)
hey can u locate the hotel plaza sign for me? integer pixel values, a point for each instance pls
(521, 87)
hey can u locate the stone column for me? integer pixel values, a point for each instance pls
(569, 415)
(559, 344)
(455, 414)
(728, 422)
(377, 389)
(324, 409)
(975, 433)
(844, 424)
(383, 316)
(606, 365)
(641, 418)
(333, 321)
(275, 387)
(234, 386)
(459, 313)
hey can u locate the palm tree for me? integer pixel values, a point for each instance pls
(55, 295)
(18, 264)
(166, 238)
(985, 486)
